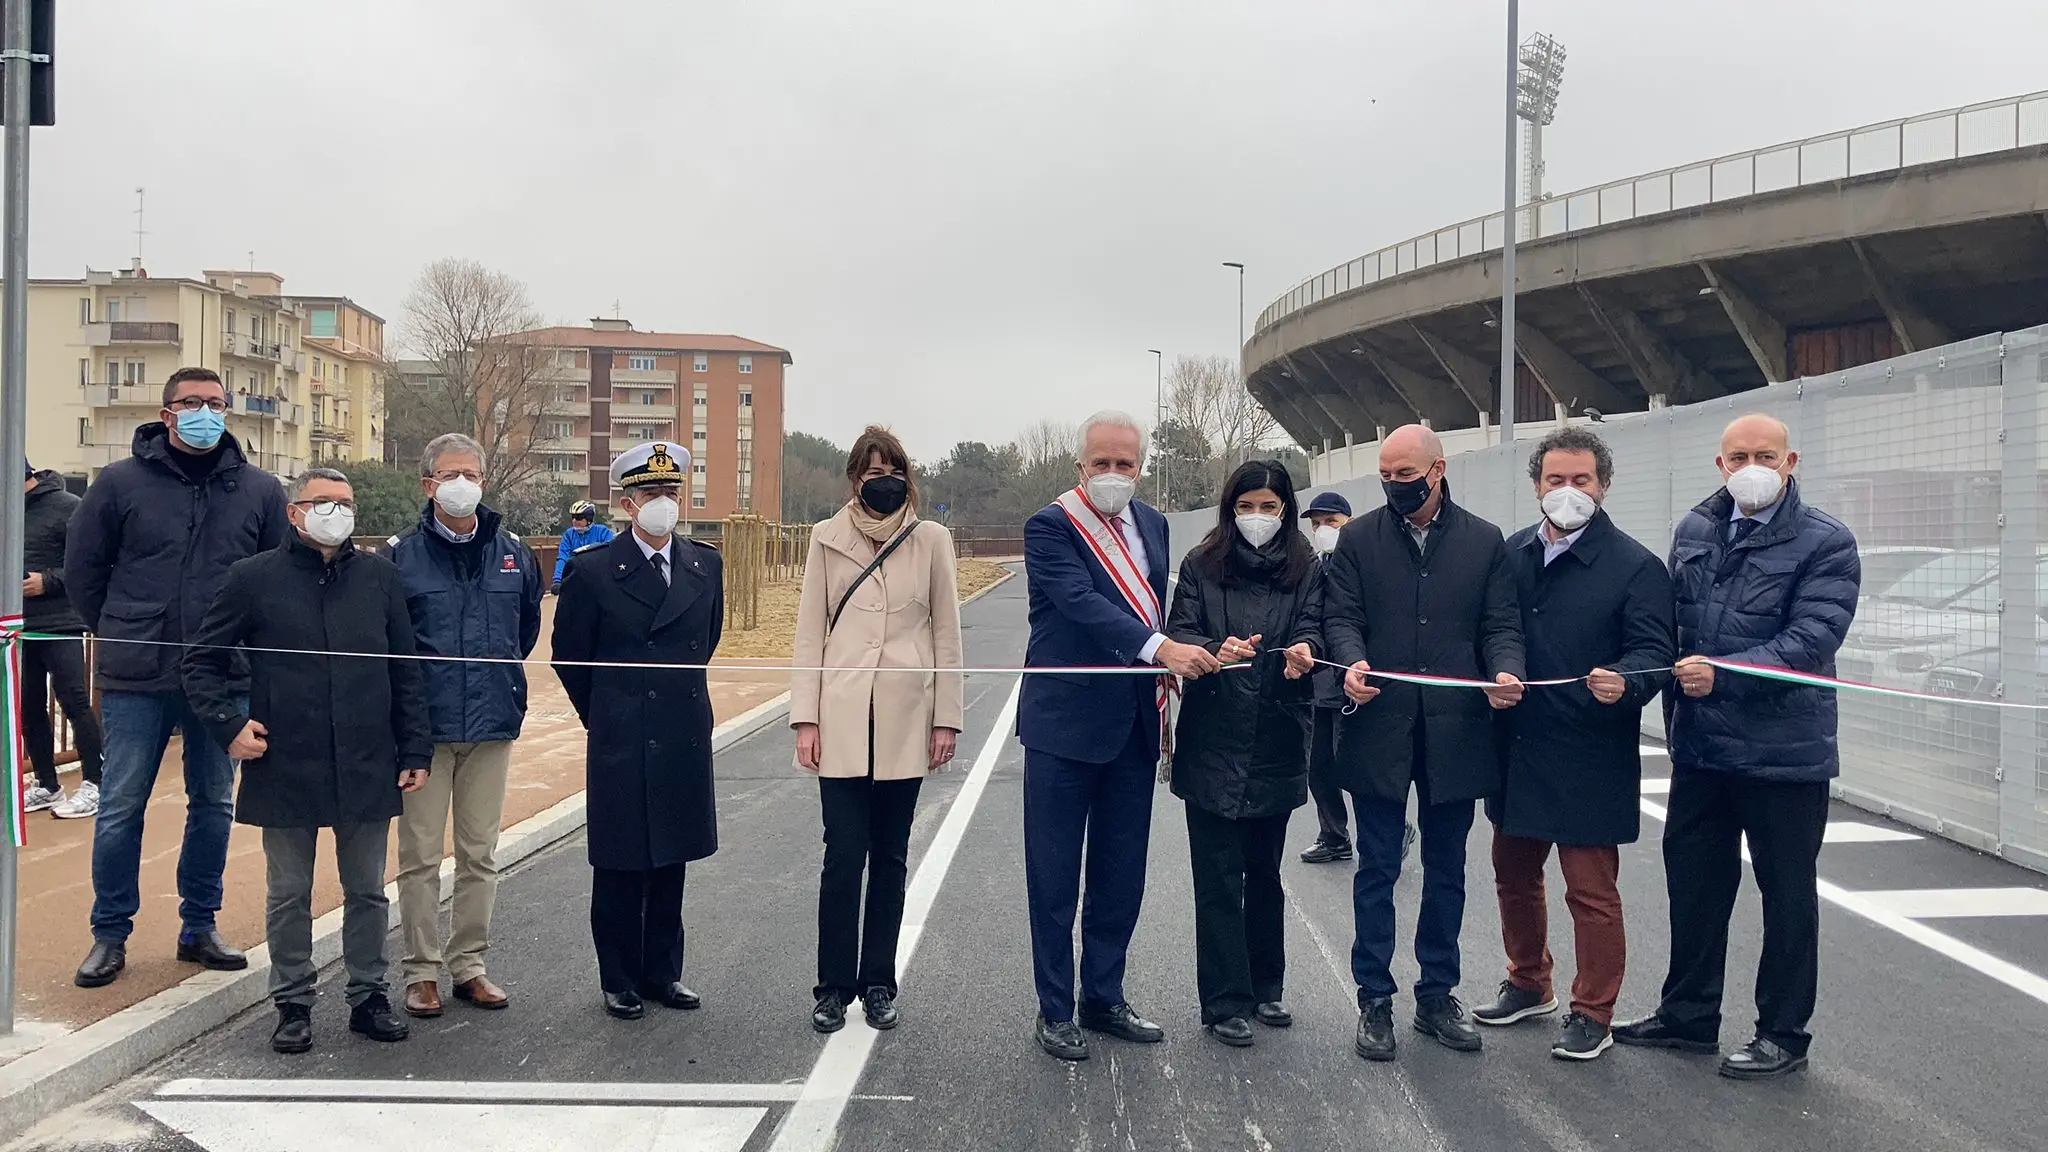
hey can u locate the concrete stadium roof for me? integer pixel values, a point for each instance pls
(1683, 303)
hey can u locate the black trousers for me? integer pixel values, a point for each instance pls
(636, 922)
(62, 663)
(1240, 912)
(867, 830)
(1333, 821)
(1710, 814)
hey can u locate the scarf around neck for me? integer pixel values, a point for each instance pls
(883, 530)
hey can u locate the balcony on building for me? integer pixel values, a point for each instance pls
(113, 395)
(330, 432)
(624, 413)
(562, 445)
(108, 332)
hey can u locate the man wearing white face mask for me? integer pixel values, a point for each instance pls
(648, 597)
(1591, 599)
(325, 741)
(474, 591)
(1762, 578)
(1096, 562)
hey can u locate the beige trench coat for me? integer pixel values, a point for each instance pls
(905, 615)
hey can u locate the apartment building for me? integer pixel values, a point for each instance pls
(345, 379)
(101, 346)
(719, 396)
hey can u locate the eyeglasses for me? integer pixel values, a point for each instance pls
(195, 403)
(447, 477)
(326, 507)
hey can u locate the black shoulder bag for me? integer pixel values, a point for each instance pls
(832, 621)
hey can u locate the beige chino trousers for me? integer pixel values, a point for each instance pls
(469, 781)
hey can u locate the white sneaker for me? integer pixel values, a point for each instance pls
(82, 803)
(38, 798)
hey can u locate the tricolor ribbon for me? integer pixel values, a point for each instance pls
(10, 707)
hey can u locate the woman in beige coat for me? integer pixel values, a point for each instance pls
(879, 593)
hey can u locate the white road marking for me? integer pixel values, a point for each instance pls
(812, 1122)
(1857, 832)
(1654, 750)
(1652, 787)
(1936, 903)
(2004, 971)
(339, 1126)
(526, 1092)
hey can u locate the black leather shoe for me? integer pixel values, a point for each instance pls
(294, 1032)
(1514, 1005)
(1062, 1039)
(830, 1014)
(1761, 1059)
(1444, 1018)
(1652, 1032)
(1376, 1031)
(374, 1018)
(676, 995)
(625, 1005)
(1124, 1023)
(102, 964)
(209, 949)
(1273, 1014)
(1235, 1031)
(1324, 852)
(881, 1008)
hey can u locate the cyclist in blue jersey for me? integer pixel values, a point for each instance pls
(583, 532)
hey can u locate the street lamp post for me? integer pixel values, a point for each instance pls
(1159, 421)
(1507, 235)
(1240, 314)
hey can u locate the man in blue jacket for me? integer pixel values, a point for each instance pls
(145, 553)
(583, 532)
(473, 591)
(1095, 561)
(1761, 578)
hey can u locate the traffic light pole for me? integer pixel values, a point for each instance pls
(13, 420)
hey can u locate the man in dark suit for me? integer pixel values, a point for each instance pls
(647, 597)
(1096, 563)
(1420, 586)
(1595, 604)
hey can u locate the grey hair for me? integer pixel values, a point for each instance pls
(1573, 438)
(300, 481)
(1110, 418)
(445, 443)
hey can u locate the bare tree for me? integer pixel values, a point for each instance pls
(1050, 442)
(468, 322)
(1209, 400)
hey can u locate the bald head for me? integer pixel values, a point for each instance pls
(1411, 446)
(1757, 439)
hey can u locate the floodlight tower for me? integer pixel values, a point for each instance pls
(1541, 77)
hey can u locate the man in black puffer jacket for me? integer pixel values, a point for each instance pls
(147, 550)
(58, 663)
(1761, 579)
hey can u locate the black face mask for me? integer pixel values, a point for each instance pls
(885, 494)
(1406, 497)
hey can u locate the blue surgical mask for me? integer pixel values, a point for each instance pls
(202, 428)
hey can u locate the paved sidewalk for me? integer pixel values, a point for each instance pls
(56, 867)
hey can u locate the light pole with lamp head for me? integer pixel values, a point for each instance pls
(1159, 418)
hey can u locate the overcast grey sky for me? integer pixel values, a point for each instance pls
(959, 216)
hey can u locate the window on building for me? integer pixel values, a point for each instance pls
(698, 468)
(318, 374)
(561, 464)
(561, 429)
(138, 371)
(746, 399)
(85, 429)
(701, 400)
(746, 363)
(640, 363)
(697, 500)
(324, 323)
(703, 363)
(84, 370)
(85, 309)
(227, 323)
(700, 439)
(113, 370)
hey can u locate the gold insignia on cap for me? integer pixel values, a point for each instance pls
(660, 462)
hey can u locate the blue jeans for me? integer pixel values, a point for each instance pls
(1444, 829)
(138, 727)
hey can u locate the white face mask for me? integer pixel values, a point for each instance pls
(330, 529)
(459, 497)
(1325, 538)
(1257, 528)
(658, 516)
(1568, 508)
(1755, 487)
(1110, 492)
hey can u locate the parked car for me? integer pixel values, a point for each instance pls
(1885, 564)
(1938, 609)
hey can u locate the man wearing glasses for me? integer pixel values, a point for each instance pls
(327, 741)
(474, 592)
(148, 548)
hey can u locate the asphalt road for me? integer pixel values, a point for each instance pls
(1914, 1049)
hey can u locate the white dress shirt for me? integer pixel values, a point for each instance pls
(666, 552)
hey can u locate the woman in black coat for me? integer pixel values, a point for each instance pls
(1252, 593)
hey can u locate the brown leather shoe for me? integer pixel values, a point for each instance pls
(423, 998)
(479, 990)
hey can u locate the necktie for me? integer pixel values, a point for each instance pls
(660, 566)
(1122, 533)
(1744, 528)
